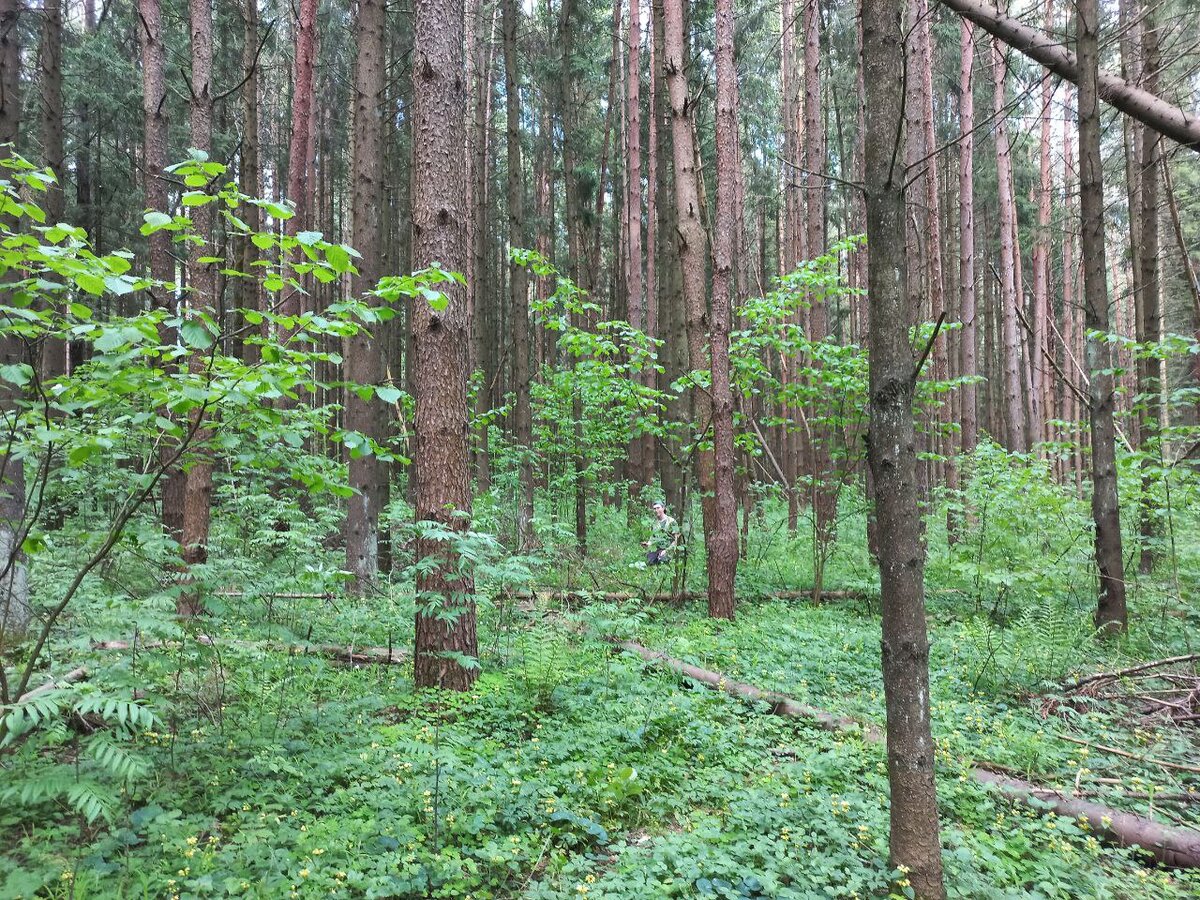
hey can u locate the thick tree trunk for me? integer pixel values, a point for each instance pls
(693, 250)
(1106, 512)
(1149, 326)
(364, 353)
(518, 278)
(722, 545)
(202, 282)
(1014, 407)
(445, 620)
(914, 840)
(1165, 118)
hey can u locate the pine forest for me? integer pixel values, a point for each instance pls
(609, 451)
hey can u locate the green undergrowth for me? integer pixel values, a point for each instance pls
(568, 772)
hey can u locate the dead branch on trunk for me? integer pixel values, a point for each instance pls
(1172, 846)
(54, 684)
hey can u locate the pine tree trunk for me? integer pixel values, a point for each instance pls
(914, 840)
(445, 620)
(1041, 270)
(1014, 406)
(300, 157)
(518, 278)
(1149, 326)
(15, 611)
(249, 295)
(1106, 512)
(198, 481)
(692, 244)
(722, 544)
(364, 351)
(966, 217)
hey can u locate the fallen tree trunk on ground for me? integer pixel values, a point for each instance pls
(71, 677)
(337, 652)
(1149, 109)
(1132, 670)
(685, 596)
(1179, 847)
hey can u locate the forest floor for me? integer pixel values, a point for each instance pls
(574, 770)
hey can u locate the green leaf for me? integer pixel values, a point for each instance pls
(93, 284)
(388, 394)
(196, 334)
(196, 198)
(156, 220)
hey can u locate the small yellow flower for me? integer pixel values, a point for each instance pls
(192, 841)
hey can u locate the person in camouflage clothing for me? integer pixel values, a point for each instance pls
(664, 538)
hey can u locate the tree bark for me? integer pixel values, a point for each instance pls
(15, 611)
(1149, 325)
(54, 350)
(198, 481)
(1165, 118)
(1106, 512)
(162, 266)
(692, 242)
(1041, 271)
(639, 468)
(1014, 407)
(966, 218)
(518, 278)
(445, 620)
(364, 353)
(914, 840)
(249, 294)
(722, 545)
(300, 154)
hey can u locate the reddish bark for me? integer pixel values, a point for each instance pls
(445, 620)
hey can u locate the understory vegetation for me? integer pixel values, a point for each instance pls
(242, 765)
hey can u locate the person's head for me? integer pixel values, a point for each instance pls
(659, 508)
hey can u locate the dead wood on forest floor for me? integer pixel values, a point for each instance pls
(337, 652)
(1172, 846)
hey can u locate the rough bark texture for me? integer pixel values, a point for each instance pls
(1149, 325)
(966, 220)
(364, 357)
(1014, 407)
(300, 155)
(54, 350)
(640, 447)
(15, 611)
(1041, 273)
(1106, 513)
(249, 295)
(722, 544)
(162, 267)
(914, 840)
(693, 248)
(518, 277)
(1164, 117)
(198, 483)
(445, 621)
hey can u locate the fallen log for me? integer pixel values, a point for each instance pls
(1177, 847)
(71, 677)
(685, 596)
(1137, 103)
(337, 652)
(1132, 670)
